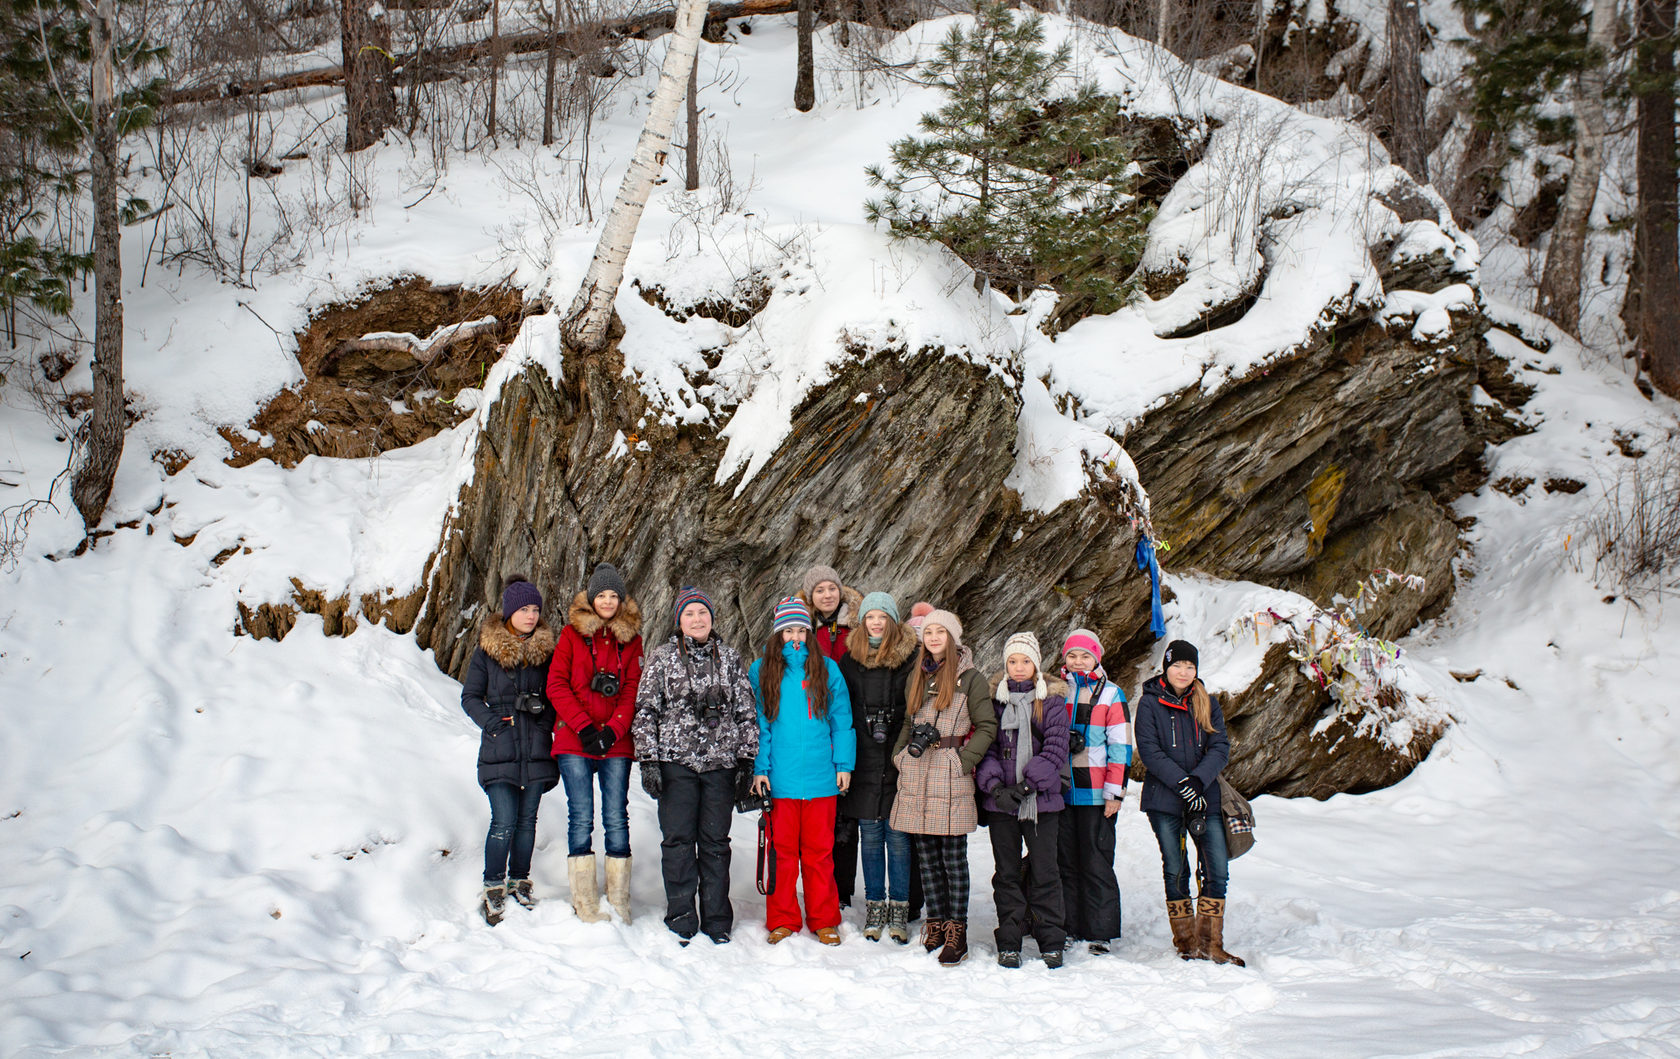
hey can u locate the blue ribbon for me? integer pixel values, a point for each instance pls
(1146, 561)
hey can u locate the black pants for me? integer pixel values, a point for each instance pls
(845, 857)
(943, 866)
(1040, 889)
(1090, 892)
(694, 815)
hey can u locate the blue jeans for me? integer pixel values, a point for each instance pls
(579, 775)
(513, 831)
(1212, 862)
(886, 856)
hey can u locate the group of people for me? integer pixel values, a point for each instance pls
(871, 738)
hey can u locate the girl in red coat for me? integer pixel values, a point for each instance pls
(592, 684)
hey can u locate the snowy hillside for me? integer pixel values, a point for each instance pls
(217, 845)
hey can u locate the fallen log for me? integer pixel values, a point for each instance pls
(473, 51)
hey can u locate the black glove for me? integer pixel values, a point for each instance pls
(653, 779)
(1190, 789)
(743, 781)
(1008, 799)
(597, 739)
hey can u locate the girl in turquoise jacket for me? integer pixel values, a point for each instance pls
(806, 750)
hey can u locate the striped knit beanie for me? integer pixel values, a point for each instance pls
(1024, 643)
(879, 601)
(947, 621)
(1083, 640)
(690, 594)
(791, 613)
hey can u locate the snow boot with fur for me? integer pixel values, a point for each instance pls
(1210, 924)
(618, 886)
(586, 891)
(494, 903)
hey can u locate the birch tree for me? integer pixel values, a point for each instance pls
(92, 486)
(1560, 283)
(588, 320)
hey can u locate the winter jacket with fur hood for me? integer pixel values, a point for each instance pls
(515, 746)
(585, 643)
(1049, 750)
(671, 724)
(1172, 747)
(832, 635)
(876, 685)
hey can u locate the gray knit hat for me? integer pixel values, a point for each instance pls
(606, 578)
(815, 576)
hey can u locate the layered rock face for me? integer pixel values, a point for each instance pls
(903, 489)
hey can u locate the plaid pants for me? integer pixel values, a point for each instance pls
(944, 871)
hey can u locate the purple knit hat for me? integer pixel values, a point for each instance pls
(519, 593)
(791, 613)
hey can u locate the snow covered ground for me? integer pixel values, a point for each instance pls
(221, 846)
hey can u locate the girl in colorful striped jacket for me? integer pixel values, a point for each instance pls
(1101, 741)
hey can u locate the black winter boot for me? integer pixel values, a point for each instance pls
(956, 943)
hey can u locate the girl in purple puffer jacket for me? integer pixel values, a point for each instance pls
(1020, 778)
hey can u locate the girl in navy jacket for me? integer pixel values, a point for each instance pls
(1181, 739)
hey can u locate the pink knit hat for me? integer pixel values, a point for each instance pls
(1083, 640)
(947, 621)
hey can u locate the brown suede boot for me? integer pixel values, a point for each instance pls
(1210, 923)
(956, 944)
(933, 934)
(1181, 916)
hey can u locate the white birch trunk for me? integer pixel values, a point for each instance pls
(1560, 284)
(590, 315)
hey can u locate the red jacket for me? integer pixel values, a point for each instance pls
(832, 637)
(617, 648)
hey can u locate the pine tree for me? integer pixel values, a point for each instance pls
(1028, 190)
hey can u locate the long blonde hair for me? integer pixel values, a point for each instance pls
(1201, 708)
(945, 681)
(857, 643)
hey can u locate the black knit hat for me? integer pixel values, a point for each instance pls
(1180, 651)
(606, 578)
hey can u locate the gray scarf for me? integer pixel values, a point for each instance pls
(1017, 717)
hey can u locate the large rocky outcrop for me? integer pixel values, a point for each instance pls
(903, 489)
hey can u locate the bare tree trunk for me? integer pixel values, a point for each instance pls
(495, 64)
(1658, 271)
(548, 73)
(92, 486)
(1161, 23)
(1406, 90)
(590, 316)
(692, 154)
(1560, 284)
(804, 78)
(369, 100)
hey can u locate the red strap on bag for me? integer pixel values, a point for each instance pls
(766, 855)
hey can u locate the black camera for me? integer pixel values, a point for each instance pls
(604, 684)
(922, 736)
(530, 702)
(1196, 824)
(713, 706)
(880, 723)
(753, 802)
(1076, 743)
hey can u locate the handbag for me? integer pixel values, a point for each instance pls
(1239, 819)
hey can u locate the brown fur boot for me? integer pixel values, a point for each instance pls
(1181, 916)
(1210, 921)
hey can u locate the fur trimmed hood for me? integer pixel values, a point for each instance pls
(625, 625)
(907, 646)
(507, 650)
(850, 600)
(1047, 686)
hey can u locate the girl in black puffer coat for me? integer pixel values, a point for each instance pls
(1181, 738)
(505, 694)
(877, 661)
